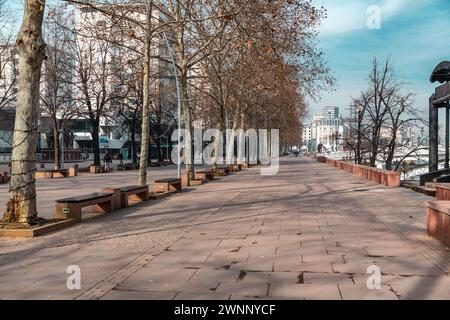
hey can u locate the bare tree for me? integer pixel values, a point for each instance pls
(57, 93)
(133, 22)
(189, 17)
(8, 58)
(145, 135)
(98, 65)
(379, 115)
(21, 207)
(355, 139)
(130, 109)
(401, 114)
(9, 64)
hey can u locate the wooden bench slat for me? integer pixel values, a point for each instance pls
(85, 198)
(133, 188)
(169, 180)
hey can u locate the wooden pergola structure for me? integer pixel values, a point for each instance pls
(440, 100)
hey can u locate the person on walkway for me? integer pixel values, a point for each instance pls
(108, 160)
(120, 158)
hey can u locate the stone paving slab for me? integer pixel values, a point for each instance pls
(296, 235)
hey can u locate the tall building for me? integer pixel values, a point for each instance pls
(9, 71)
(307, 135)
(115, 67)
(326, 131)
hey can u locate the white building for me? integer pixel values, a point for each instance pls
(326, 131)
(9, 63)
(307, 135)
(83, 47)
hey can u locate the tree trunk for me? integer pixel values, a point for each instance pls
(391, 155)
(96, 141)
(374, 143)
(159, 151)
(57, 147)
(145, 139)
(389, 165)
(21, 206)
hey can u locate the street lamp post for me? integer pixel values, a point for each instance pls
(172, 57)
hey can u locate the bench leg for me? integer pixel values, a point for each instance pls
(143, 196)
(175, 187)
(124, 200)
(196, 182)
(161, 188)
(58, 175)
(185, 180)
(138, 197)
(104, 207)
(68, 211)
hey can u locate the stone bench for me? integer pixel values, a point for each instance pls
(438, 220)
(188, 181)
(205, 175)
(234, 168)
(52, 174)
(221, 171)
(128, 167)
(167, 185)
(71, 208)
(96, 169)
(133, 193)
(73, 171)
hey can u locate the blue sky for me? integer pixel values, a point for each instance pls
(416, 34)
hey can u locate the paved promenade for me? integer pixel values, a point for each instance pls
(309, 232)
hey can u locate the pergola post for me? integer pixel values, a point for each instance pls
(447, 136)
(434, 136)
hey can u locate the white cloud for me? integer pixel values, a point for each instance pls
(352, 15)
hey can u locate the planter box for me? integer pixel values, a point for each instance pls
(37, 231)
(384, 177)
(438, 220)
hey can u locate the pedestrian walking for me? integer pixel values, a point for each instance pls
(108, 160)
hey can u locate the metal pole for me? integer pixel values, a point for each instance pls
(434, 135)
(179, 100)
(447, 136)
